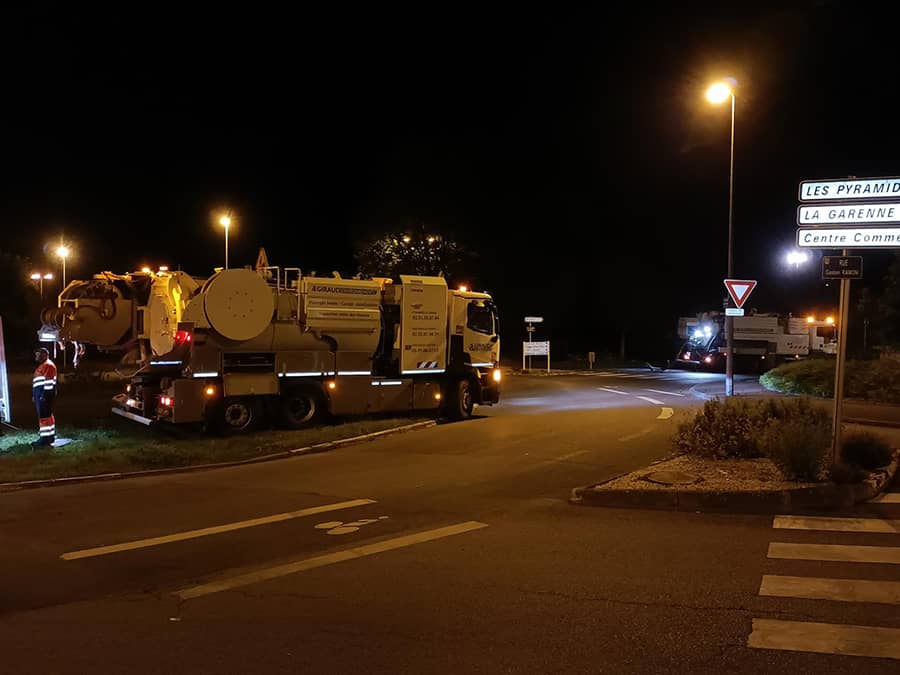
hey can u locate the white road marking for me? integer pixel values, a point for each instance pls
(631, 437)
(837, 524)
(843, 590)
(665, 414)
(615, 391)
(328, 559)
(836, 553)
(825, 638)
(650, 400)
(218, 529)
(667, 393)
(886, 498)
(571, 455)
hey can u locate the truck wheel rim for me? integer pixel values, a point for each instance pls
(300, 408)
(237, 415)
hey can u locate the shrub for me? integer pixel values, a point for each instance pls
(798, 446)
(735, 427)
(726, 428)
(867, 380)
(866, 450)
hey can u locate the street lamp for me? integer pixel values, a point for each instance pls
(718, 93)
(225, 221)
(797, 258)
(40, 278)
(63, 252)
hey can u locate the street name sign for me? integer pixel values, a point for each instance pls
(740, 289)
(734, 311)
(847, 189)
(848, 237)
(842, 267)
(849, 214)
(534, 319)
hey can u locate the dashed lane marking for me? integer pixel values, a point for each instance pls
(650, 400)
(615, 391)
(836, 553)
(218, 529)
(229, 583)
(825, 638)
(666, 393)
(843, 590)
(837, 524)
(631, 437)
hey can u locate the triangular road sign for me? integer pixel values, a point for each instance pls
(740, 289)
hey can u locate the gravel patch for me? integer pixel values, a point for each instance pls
(726, 475)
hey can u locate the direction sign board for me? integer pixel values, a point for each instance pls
(848, 237)
(536, 348)
(740, 289)
(734, 311)
(534, 319)
(847, 189)
(849, 214)
(842, 267)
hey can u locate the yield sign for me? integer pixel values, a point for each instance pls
(740, 289)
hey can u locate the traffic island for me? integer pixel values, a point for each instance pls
(691, 483)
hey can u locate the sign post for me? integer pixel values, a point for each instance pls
(844, 312)
(536, 349)
(530, 329)
(838, 225)
(739, 290)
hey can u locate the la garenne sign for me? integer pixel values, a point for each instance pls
(867, 214)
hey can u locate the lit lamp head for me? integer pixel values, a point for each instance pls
(63, 251)
(719, 92)
(225, 221)
(36, 276)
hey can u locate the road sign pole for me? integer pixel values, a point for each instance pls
(839, 370)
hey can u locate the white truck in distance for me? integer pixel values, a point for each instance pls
(275, 345)
(761, 341)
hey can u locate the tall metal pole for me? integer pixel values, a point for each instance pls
(226, 247)
(729, 320)
(64, 272)
(844, 312)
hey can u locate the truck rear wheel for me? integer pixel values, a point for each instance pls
(459, 400)
(238, 414)
(300, 408)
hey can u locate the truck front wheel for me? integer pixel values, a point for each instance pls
(459, 400)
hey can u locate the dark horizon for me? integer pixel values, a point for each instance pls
(574, 154)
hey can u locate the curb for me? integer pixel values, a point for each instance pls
(284, 454)
(820, 498)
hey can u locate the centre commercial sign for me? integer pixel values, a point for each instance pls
(849, 225)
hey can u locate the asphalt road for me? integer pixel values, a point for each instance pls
(451, 549)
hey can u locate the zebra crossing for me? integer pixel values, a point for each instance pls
(866, 577)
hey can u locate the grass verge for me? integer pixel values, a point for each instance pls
(121, 447)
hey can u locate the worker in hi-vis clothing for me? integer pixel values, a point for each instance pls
(43, 387)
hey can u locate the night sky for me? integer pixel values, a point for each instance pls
(573, 152)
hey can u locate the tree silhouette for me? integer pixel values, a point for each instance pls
(414, 252)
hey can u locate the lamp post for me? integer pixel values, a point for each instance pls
(37, 276)
(225, 221)
(719, 93)
(63, 252)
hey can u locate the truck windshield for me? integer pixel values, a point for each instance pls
(480, 318)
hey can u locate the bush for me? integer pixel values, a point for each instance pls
(866, 450)
(799, 446)
(736, 427)
(866, 380)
